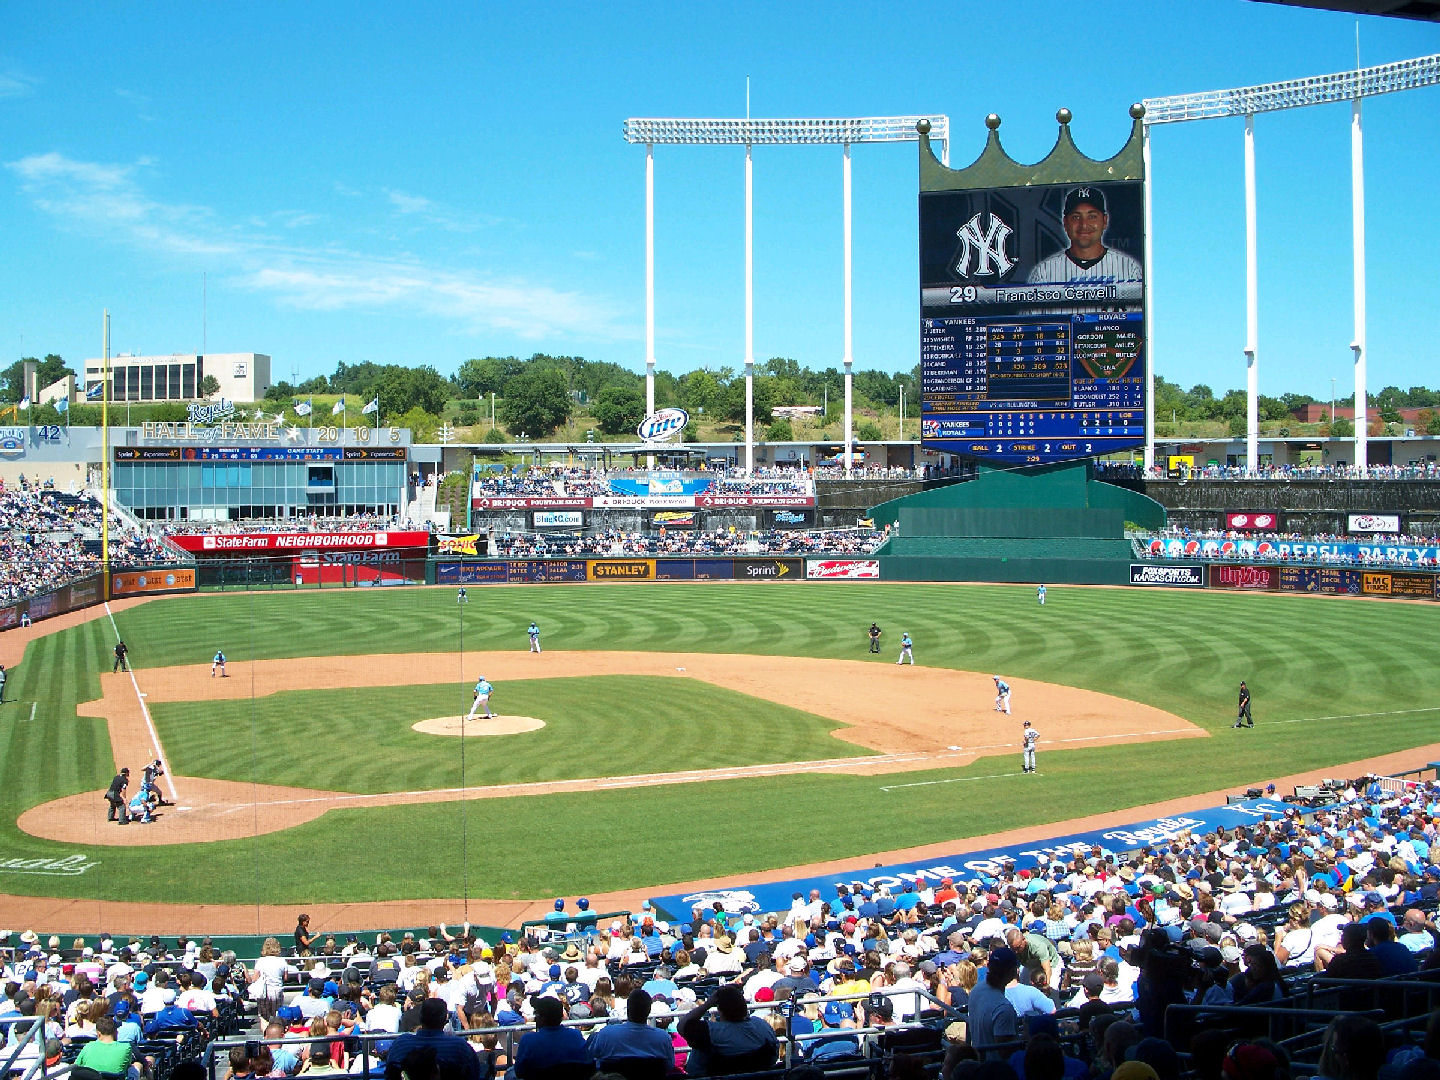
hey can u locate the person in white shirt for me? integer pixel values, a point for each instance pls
(384, 1015)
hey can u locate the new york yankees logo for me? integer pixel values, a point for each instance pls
(987, 249)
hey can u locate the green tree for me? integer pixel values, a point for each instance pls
(1236, 425)
(404, 388)
(486, 375)
(868, 431)
(699, 391)
(47, 371)
(619, 409)
(537, 401)
(422, 424)
(779, 430)
(209, 386)
(1432, 426)
(1342, 428)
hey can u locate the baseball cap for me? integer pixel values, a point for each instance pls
(1087, 194)
(835, 1014)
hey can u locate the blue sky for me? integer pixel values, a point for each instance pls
(426, 182)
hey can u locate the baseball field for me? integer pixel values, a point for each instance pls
(668, 732)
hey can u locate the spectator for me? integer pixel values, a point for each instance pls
(550, 1045)
(453, 1057)
(733, 1042)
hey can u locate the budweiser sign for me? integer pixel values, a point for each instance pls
(309, 541)
(1261, 520)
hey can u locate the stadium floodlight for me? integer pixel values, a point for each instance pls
(833, 131)
(1247, 101)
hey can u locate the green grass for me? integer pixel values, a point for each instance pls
(597, 726)
(1303, 657)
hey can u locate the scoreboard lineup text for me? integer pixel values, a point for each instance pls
(1015, 364)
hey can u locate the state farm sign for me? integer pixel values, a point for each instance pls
(310, 541)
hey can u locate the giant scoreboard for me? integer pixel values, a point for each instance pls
(1032, 326)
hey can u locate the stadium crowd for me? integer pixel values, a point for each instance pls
(684, 542)
(50, 537)
(1063, 969)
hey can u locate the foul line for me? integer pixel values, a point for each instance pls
(145, 711)
(954, 780)
(1351, 716)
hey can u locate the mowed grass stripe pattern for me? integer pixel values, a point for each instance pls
(1185, 652)
(596, 726)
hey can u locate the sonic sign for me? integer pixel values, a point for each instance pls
(662, 425)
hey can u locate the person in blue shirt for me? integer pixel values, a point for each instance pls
(218, 663)
(534, 633)
(482, 700)
(905, 650)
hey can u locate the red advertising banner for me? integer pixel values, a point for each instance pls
(1226, 576)
(779, 501)
(225, 543)
(841, 569)
(1245, 521)
(530, 502)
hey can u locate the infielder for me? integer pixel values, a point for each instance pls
(1040, 594)
(218, 662)
(534, 633)
(1087, 260)
(1002, 695)
(1027, 744)
(1242, 711)
(905, 653)
(482, 700)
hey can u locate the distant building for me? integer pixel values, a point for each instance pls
(177, 377)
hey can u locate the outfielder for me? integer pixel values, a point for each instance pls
(905, 647)
(1040, 594)
(482, 700)
(1087, 260)
(534, 633)
(1027, 744)
(218, 662)
(1002, 695)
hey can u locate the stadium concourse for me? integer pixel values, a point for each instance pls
(1210, 955)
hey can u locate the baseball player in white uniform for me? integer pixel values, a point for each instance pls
(1087, 261)
(1002, 695)
(482, 700)
(1027, 745)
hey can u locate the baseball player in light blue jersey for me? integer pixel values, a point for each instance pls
(482, 700)
(1027, 745)
(1087, 264)
(534, 633)
(218, 663)
(905, 647)
(1040, 594)
(1002, 695)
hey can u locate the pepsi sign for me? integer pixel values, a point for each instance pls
(662, 425)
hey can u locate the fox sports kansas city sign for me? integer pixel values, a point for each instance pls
(662, 424)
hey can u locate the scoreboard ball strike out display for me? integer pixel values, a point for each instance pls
(1032, 328)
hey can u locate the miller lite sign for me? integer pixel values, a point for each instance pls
(662, 425)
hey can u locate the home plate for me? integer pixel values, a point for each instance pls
(495, 725)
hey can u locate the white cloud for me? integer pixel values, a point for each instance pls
(15, 85)
(109, 201)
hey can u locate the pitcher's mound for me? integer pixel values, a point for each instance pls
(496, 725)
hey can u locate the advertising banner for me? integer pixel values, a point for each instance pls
(674, 569)
(791, 519)
(641, 502)
(228, 543)
(1229, 576)
(530, 502)
(672, 519)
(1376, 523)
(566, 519)
(841, 569)
(1329, 580)
(472, 573)
(447, 544)
(714, 570)
(621, 570)
(769, 569)
(777, 501)
(1177, 577)
(1298, 550)
(134, 583)
(740, 897)
(12, 442)
(1246, 520)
